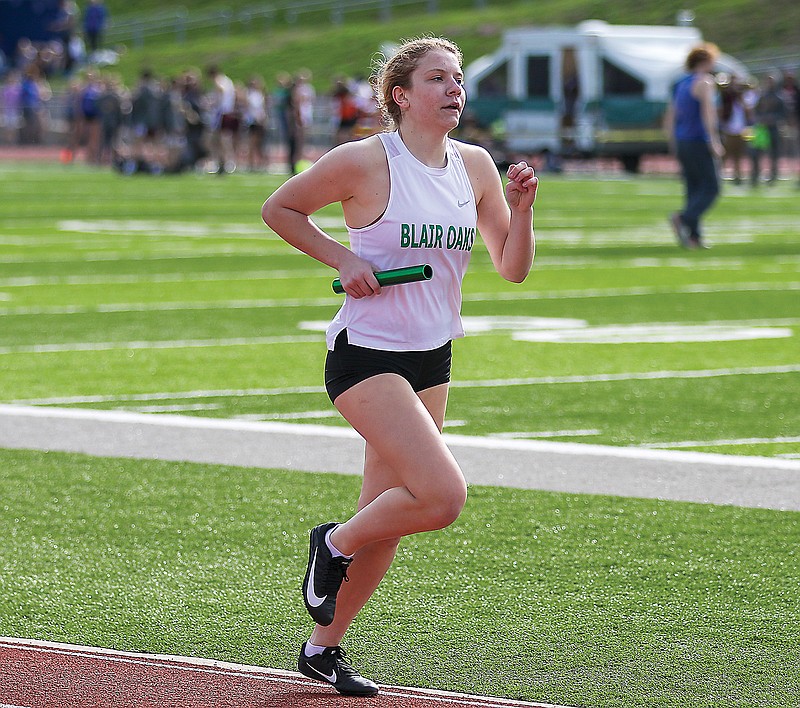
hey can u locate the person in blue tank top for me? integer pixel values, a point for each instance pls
(391, 384)
(692, 125)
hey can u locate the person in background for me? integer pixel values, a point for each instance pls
(288, 118)
(303, 97)
(769, 114)
(25, 54)
(734, 121)
(94, 24)
(790, 93)
(194, 125)
(113, 102)
(146, 116)
(256, 118)
(10, 96)
(90, 113)
(65, 26)
(35, 92)
(692, 127)
(346, 112)
(225, 119)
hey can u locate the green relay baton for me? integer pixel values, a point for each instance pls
(396, 276)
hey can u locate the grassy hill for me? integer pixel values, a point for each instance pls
(313, 41)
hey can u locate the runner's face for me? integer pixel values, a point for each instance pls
(437, 89)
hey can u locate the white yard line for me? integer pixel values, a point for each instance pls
(170, 306)
(635, 292)
(723, 443)
(144, 279)
(488, 383)
(546, 434)
(267, 303)
(642, 376)
(167, 421)
(169, 344)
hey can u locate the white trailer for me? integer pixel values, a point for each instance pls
(593, 89)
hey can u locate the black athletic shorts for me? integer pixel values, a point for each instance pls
(349, 364)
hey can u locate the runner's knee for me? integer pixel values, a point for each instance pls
(446, 507)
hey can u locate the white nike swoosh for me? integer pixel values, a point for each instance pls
(331, 678)
(463, 204)
(311, 597)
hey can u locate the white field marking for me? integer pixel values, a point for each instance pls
(300, 415)
(195, 252)
(165, 344)
(722, 443)
(181, 228)
(173, 229)
(633, 292)
(113, 243)
(546, 434)
(170, 306)
(276, 246)
(487, 383)
(581, 262)
(169, 420)
(477, 325)
(631, 237)
(752, 322)
(142, 279)
(175, 395)
(177, 408)
(606, 335)
(225, 668)
(554, 330)
(651, 333)
(566, 220)
(317, 302)
(643, 376)
(481, 325)
(11, 705)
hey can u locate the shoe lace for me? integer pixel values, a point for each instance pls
(343, 664)
(337, 572)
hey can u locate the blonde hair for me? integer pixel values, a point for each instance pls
(397, 70)
(700, 54)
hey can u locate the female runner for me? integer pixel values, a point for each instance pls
(409, 195)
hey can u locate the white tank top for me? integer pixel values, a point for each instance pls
(430, 218)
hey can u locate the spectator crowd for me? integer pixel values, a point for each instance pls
(193, 121)
(759, 124)
(211, 122)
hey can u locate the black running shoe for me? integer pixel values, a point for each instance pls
(681, 230)
(324, 577)
(333, 667)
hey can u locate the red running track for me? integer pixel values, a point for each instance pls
(36, 674)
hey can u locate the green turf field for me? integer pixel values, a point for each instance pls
(168, 295)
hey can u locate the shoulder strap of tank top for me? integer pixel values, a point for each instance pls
(389, 144)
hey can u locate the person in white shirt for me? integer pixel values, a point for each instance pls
(256, 123)
(225, 119)
(735, 120)
(303, 97)
(410, 195)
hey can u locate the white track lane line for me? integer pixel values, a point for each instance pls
(168, 420)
